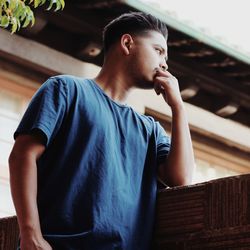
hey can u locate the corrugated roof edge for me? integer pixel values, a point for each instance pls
(178, 25)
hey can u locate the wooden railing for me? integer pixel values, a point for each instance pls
(212, 215)
(9, 233)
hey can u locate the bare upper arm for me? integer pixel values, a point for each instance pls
(28, 144)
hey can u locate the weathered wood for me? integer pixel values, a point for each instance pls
(210, 215)
(9, 233)
(42, 58)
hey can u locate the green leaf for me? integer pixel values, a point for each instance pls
(23, 14)
(43, 2)
(51, 4)
(18, 24)
(28, 11)
(26, 22)
(58, 6)
(4, 5)
(29, 17)
(17, 13)
(13, 4)
(14, 25)
(32, 20)
(62, 3)
(37, 3)
(5, 22)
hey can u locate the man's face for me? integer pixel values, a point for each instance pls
(149, 54)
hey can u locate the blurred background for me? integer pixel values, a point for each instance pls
(209, 53)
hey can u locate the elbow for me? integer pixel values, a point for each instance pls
(185, 180)
(179, 182)
(181, 179)
(12, 160)
(185, 177)
(16, 157)
(12, 165)
(177, 174)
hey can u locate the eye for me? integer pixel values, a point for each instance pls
(159, 51)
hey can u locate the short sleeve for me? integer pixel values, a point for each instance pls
(163, 143)
(46, 110)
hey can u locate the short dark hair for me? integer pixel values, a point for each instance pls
(136, 23)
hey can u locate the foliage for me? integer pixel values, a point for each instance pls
(15, 14)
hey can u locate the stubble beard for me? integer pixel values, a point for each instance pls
(142, 80)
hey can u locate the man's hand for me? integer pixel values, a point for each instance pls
(179, 165)
(167, 85)
(34, 242)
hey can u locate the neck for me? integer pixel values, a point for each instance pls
(114, 82)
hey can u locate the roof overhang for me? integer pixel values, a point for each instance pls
(210, 76)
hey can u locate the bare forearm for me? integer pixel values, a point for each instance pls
(180, 162)
(179, 165)
(23, 180)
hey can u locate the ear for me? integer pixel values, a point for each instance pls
(126, 43)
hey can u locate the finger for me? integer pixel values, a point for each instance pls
(162, 81)
(161, 72)
(158, 88)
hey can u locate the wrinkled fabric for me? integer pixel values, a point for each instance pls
(97, 177)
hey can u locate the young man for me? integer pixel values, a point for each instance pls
(84, 166)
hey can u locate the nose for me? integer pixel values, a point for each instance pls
(164, 66)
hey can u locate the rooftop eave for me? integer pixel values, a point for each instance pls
(186, 29)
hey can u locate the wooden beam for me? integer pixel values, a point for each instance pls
(39, 25)
(71, 20)
(41, 58)
(231, 132)
(19, 72)
(189, 92)
(214, 141)
(209, 81)
(91, 49)
(228, 109)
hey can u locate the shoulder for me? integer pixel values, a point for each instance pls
(147, 121)
(67, 84)
(68, 80)
(154, 126)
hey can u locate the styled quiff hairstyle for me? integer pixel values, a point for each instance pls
(134, 23)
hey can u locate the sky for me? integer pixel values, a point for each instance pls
(226, 21)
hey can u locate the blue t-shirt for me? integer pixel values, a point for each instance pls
(97, 179)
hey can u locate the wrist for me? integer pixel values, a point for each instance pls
(30, 230)
(178, 107)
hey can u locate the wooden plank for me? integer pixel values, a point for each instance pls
(219, 220)
(42, 58)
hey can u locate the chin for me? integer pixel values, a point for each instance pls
(144, 81)
(145, 84)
